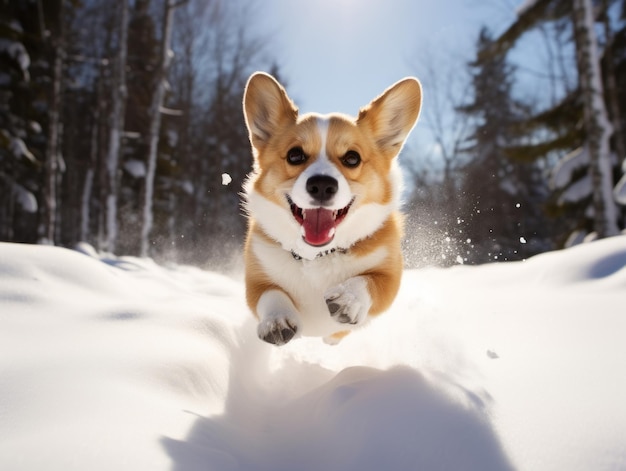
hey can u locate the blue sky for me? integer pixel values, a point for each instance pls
(337, 55)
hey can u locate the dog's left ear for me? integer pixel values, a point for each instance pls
(266, 108)
(392, 115)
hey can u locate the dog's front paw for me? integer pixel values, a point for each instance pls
(349, 302)
(277, 330)
(278, 317)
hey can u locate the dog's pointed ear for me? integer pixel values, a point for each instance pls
(391, 116)
(266, 108)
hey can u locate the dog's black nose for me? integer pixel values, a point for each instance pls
(322, 187)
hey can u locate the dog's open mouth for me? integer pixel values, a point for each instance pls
(319, 224)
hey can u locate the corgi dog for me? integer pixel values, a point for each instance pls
(322, 254)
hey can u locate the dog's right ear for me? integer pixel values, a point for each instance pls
(266, 108)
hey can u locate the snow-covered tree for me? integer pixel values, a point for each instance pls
(20, 125)
(577, 126)
(94, 128)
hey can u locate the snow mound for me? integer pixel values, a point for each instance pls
(119, 363)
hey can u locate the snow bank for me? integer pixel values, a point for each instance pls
(122, 364)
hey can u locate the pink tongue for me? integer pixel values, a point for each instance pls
(319, 226)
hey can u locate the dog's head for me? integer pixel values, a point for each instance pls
(324, 181)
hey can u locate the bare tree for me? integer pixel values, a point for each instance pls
(447, 90)
(597, 123)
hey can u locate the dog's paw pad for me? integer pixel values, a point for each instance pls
(333, 307)
(344, 307)
(349, 302)
(277, 331)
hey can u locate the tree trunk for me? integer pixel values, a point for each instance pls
(597, 123)
(155, 128)
(94, 145)
(116, 128)
(48, 225)
(611, 87)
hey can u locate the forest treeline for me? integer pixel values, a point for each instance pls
(119, 119)
(534, 166)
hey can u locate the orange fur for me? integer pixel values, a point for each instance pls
(384, 280)
(257, 281)
(337, 336)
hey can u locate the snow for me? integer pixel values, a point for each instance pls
(34, 127)
(563, 171)
(580, 189)
(619, 192)
(19, 149)
(575, 238)
(525, 6)
(15, 26)
(187, 187)
(226, 179)
(24, 198)
(135, 168)
(508, 186)
(119, 363)
(16, 51)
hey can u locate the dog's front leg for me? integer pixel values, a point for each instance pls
(350, 301)
(278, 318)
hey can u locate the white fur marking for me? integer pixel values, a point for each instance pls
(307, 281)
(274, 304)
(321, 166)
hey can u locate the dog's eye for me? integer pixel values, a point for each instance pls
(351, 159)
(296, 156)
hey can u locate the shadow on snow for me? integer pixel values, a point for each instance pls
(304, 417)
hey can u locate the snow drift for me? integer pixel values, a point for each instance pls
(123, 364)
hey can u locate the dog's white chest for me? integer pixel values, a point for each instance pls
(306, 281)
